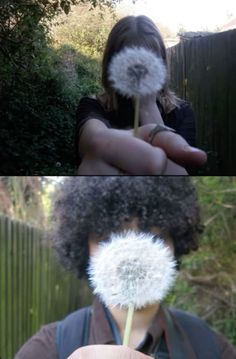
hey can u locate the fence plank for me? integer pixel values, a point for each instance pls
(3, 266)
(8, 290)
(34, 289)
(203, 72)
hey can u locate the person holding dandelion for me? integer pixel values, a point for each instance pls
(126, 235)
(137, 113)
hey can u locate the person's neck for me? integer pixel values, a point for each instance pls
(141, 322)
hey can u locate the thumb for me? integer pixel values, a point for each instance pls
(175, 147)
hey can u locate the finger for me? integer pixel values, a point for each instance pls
(132, 155)
(179, 150)
(172, 169)
(175, 147)
(96, 167)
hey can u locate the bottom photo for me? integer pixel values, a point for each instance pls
(121, 267)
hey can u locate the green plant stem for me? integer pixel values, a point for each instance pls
(128, 325)
(136, 115)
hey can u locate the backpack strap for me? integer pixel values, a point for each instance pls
(202, 338)
(72, 332)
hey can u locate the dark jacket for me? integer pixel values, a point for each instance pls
(43, 345)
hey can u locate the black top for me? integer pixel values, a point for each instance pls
(181, 119)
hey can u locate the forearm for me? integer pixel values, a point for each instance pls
(149, 111)
(89, 135)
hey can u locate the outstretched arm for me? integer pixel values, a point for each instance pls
(108, 151)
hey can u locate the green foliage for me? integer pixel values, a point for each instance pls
(21, 198)
(206, 285)
(38, 113)
(79, 73)
(40, 87)
(85, 30)
(36, 118)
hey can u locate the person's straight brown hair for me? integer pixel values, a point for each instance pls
(128, 32)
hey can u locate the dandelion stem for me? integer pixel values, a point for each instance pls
(128, 325)
(136, 115)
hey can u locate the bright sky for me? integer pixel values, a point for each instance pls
(193, 15)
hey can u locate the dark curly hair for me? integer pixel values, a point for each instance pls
(101, 205)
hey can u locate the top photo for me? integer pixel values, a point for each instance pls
(117, 87)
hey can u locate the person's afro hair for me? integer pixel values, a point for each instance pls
(101, 205)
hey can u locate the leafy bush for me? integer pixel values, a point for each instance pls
(38, 116)
(85, 30)
(206, 285)
(38, 98)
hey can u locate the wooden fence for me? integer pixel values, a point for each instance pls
(203, 71)
(34, 289)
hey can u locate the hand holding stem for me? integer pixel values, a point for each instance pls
(146, 111)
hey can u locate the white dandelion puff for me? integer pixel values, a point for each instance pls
(132, 269)
(136, 71)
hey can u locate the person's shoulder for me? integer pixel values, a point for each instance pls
(184, 114)
(89, 99)
(227, 349)
(198, 329)
(41, 345)
(183, 106)
(91, 103)
(187, 318)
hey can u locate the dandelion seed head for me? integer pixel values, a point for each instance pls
(132, 268)
(136, 71)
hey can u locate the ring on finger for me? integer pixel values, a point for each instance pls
(158, 128)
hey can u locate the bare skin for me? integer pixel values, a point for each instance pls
(141, 322)
(149, 111)
(110, 152)
(107, 352)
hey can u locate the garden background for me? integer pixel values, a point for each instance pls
(35, 289)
